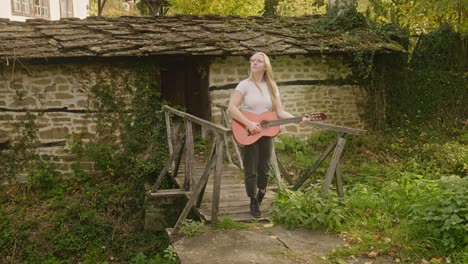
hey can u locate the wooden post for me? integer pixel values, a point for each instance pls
(217, 179)
(339, 181)
(177, 153)
(189, 156)
(194, 197)
(168, 130)
(317, 163)
(333, 164)
(234, 143)
(276, 169)
(228, 153)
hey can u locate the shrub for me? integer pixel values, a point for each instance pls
(440, 217)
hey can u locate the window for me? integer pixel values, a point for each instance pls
(66, 8)
(41, 8)
(31, 8)
(21, 7)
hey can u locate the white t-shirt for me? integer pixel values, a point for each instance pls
(255, 101)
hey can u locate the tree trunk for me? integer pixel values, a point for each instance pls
(341, 5)
(156, 6)
(270, 7)
(100, 6)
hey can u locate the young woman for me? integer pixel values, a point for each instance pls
(257, 94)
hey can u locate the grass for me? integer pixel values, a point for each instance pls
(399, 187)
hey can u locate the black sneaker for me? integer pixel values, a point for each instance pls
(260, 196)
(254, 208)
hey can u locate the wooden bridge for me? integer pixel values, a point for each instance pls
(213, 184)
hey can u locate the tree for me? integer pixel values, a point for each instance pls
(219, 7)
(270, 7)
(100, 6)
(420, 16)
(153, 7)
(340, 6)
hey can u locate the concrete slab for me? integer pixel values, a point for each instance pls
(259, 244)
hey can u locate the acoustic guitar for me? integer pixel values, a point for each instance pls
(269, 123)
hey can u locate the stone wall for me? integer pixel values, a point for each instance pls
(59, 96)
(307, 84)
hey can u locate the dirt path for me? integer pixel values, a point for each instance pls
(260, 244)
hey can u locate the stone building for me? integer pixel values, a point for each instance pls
(197, 60)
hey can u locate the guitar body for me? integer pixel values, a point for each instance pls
(269, 123)
(242, 134)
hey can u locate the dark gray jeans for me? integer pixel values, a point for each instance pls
(257, 165)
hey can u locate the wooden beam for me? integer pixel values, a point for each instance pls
(171, 159)
(189, 156)
(333, 164)
(217, 179)
(169, 193)
(216, 128)
(317, 163)
(347, 130)
(194, 197)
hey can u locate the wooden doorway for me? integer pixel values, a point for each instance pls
(184, 82)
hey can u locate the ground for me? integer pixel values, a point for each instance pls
(262, 244)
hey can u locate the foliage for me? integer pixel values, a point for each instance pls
(420, 16)
(405, 195)
(307, 208)
(440, 215)
(439, 50)
(167, 257)
(192, 228)
(347, 19)
(393, 32)
(95, 214)
(19, 154)
(220, 7)
(227, 223)
(113, 8)
(288, 8)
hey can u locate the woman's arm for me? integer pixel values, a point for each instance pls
(234, 112)
(281, 112)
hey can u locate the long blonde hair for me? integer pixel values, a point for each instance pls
(268, 77)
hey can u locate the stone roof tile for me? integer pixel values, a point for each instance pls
(178, 35)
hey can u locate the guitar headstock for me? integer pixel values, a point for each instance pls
(316, 116)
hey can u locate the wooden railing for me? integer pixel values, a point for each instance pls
(333, 171)
(192, 187)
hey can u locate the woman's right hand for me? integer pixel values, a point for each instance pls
(254, 128)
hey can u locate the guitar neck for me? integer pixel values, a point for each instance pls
(284, 121)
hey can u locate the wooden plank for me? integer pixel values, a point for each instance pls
(169, 193)
(276, 169)
(168, 131)
(347, 130)
(339, 181)
(189, 155)
(332, 167)
(319, 161)
(217, 179)
(168, 164)
(214, 127)
(230, 138)
(193, 198)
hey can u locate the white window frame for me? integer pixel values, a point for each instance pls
(41, 8)
(66, 8)
(31, 8)
(21, 7)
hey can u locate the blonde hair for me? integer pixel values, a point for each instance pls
(268, 77)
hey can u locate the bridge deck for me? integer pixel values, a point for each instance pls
(233, 199)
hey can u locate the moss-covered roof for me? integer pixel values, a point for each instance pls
(179, 35)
